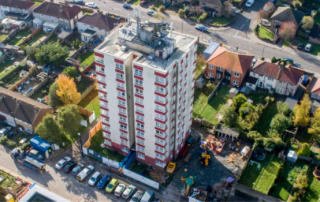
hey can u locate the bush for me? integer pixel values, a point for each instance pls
(274, 59)
(11, 144)
(202, 17)
(181, 13)
(2, 83)
(33, 71)
(262, 58)
(25, 146)
(3, 140)
(161, 8)
(70, 72)
(152, 8)
(304, 150)
(253, 135)
(193, 18)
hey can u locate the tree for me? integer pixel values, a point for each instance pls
(283, 108)
(31, 52)
(70, 72)
(274, 142)
(52, 54)
(161, 8)
(268, 7)
(253, 135)
(159, 16)
(54, 99)
(67, 90)
(314, 129)
(274, 59)
(307, 22)
(300, 186)
(280, 123)
(229, 116)
(226, 9)
(301, 112)
(33, 71)
(288, 30)
(238, 101)
(246, 109)
(69, 118)
(181, 13)
(304, 150)
(49, 129)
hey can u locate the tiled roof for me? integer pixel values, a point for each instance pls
(268, 69)
(100, 21)
(285, 14)
(316, 86)
(21, 107)
(212, 3)
(58, 10)
(230, 60)
(290, 75)
(22, 4)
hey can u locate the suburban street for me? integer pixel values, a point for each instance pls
(239, 34)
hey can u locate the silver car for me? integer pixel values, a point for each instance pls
(128, 192)
(94, 179)
(119, 190)
(62, 162)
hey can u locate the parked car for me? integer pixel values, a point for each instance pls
(127, 6)
(70, 165)
(104, 181)
(94, 179)
(137, 196)
(308, 47)
(77, 169)
(249, 3)
(288, 60)
(36, 154)
(5, 130)
(112, 185)
(62, 162)
(151, 12)
(80, 2)
(119, 190)
(143, 2)
(300, 46)
(128, 192)
(166, 4)
(265, 23)
(147, 196)
(201, 28)
(84, 173)
(91, 5)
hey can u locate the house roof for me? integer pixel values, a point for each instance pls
(22, 4)
(252, 80)
(58, 10)
(290, 75)
(21, 107)
(268, 69)
(100, 21)
(230, 60)
(212, 3)
(285, 14)
(315, 86)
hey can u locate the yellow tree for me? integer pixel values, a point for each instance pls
(67, 90)
(301, 112)
(315, 126)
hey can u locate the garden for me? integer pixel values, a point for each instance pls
(35, 40)
(91, 102)
(3, 37)
(42, 92)
(86, 59)
(37, 3)
(19, 38)
(264, 33)
(221, 21)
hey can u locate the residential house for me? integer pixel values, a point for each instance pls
(49, 15)
(18, 110)
(232, 66)
(96, 25)
(314, 89)
(17, 9)
(285, 14)
(213, 7)
(274, 77)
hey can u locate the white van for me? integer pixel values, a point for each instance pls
(308, 47)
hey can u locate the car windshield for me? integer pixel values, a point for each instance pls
(103, 181)
(134, 199)
(110, 186)
(93, 179)
(59, 164)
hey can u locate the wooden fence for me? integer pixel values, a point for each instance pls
(92, 133)
(88, 113)
(26, 39)
(13, 87)
(214, 91)
(10, 36)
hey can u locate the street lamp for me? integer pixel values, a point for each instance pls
(81, 145)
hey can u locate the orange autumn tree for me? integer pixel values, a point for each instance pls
(67, 90)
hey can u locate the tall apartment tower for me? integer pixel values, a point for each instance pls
(146, 79)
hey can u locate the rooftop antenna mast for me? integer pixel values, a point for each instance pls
(137, 15)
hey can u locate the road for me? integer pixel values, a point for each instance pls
(236, 36)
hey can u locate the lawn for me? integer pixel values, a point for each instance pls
(83, 85)
(200, 98)
(3, 66)
(257, 97)
(210, 111)
(138, 167)
(317, 19)
(42, 92)
(37, 3)
(87, 59)
(53, 39)
(220, 21)
(263, 178)
(315, 50)
(96, 142)
(313, 190)
(3, 37)
(264, 123)
(134, 2)
(91, 102)
(37, 37)
(87, 12)
(18, 39)
(264, 33)
(284, 183)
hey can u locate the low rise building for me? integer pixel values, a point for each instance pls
(17, 10)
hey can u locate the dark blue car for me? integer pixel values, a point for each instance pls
(104, 181)
(127, 6)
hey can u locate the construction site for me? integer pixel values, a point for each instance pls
(210, 167)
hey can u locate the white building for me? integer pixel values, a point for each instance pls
(146, 87)
(17, 9)
(98, 25)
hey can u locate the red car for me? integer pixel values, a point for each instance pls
(143, 2)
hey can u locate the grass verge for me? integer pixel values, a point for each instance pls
(264, 33)
(220, 21)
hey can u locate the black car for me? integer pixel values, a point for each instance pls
(70, 165)
(300, 46)
(77, 169)
(80, 2)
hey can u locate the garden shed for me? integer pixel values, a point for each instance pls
(233, 92)
(292, 156)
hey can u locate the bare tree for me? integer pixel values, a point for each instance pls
(227, 10)
(287, 30)
(268, 7)
(307, 22)
(262, 14)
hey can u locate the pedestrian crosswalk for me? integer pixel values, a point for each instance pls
(232, 35)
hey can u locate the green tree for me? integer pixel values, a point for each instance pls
(49, 129)
(52, 54)
(181, 13)
(280, 123)
(70, 72)
(314, 129)
(54, 99)
(304, 150)
(307, 22)
(253, 135)
(229, 116)
(69, 118)
(301, 112)
(274, 59)
(274, 142)
(246, 109)
(161, 8)
(283, 108)
(31, 52)
(238, 101)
